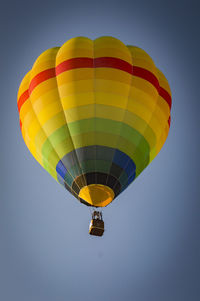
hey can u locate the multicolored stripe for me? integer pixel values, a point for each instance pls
(94, 112)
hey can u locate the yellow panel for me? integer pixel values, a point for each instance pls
(160, 116)
(45, 100)
(142, 63)
(24, 85)
(110, 112)
(31, 146)
(34, 149)
(40, 138)
(145, 114)
(81, 86)
(139, 109)
(76, 47)
(83, 99)
(75, 75)
(111, 52)
(144, 91)
(82, 112)
(43, 66)
(50, 111)
(164, 107)
(75, 53)
(45, 61)
(163, 81)
(162, 138)
(112, 74)
(97, 194)
(32, 125)
(54, 123)
(154, 124)
(24, 135)
(142, 59)
(25, 109)
(109, 46)
(43, 88)
(137, 52)
(111, 99)
(85, 86)
(142, 127)
(109, 86)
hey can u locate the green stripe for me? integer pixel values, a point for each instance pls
(109, 126)
(101, 132)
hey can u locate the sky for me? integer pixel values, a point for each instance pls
(151, 249)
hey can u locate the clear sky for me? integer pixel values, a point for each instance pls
(151, 247)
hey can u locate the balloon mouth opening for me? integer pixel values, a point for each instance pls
(97, 195)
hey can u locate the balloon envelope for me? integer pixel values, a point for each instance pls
(94, 114)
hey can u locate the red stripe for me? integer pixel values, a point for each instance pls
(112, 62)
(147, 75)
(20, 124)
(41, 77)
(100, 62)
(22, 99)
(79, 62)
(164, 94)
(169, 120)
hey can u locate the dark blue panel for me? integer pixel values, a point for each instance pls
(132, 177)
(130, 180)
(124, 161)
(60, 179)
(61, 169)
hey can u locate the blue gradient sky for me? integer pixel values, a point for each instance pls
(151, 247)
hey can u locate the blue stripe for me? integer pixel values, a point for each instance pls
(119, 158)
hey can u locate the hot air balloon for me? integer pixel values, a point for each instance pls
(94, 114)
